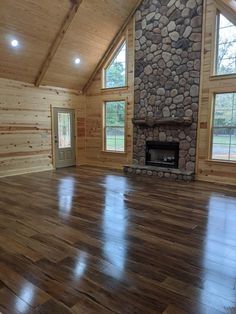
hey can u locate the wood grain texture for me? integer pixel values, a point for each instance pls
(57, 41)
(36, 24)
(26, 128)
(85, 240)
(93, 29)
(95, 98)
(209, 170)
(229, 9)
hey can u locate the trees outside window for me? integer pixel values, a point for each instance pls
(224, 127)
(224, 110)
(115, 72)
(114, 126)
(226, 46)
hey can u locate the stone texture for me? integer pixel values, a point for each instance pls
(174, 36)
(187, 31)
(171, 26)
(194, 90)
(166, 56)
(148, 70)
(167, 71)
(171, 174)
(191, 4)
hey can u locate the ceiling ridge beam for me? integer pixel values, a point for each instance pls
(228, 8)
(113, 44)
(57, 41)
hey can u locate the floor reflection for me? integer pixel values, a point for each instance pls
(65, 195)
(27, 295)
(115, 225)
(219, 260)
(80, 266)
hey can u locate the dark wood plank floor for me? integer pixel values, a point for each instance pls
(94, 241)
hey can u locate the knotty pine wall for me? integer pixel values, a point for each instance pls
(95, 98)
(25, 126)
(207, 169)
(26, 122)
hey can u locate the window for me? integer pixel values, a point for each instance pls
(115, 72)
(226, 46)
(224, 127)
(114, 128)
(64, 130)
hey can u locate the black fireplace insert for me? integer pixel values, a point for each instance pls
(162, 154)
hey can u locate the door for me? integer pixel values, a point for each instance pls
(64, 137)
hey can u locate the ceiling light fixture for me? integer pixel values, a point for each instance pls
(77, 60)
(14, 43)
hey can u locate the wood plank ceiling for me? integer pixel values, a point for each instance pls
(36, 25)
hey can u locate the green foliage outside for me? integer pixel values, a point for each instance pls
(115, 143)
(115, 75)
(224, 139)
(115, 125)
(225, 111)
(115, 113)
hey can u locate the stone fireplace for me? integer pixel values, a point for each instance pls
(167, 78)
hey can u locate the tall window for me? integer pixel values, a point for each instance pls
(114, 126)
(115, 72)
(224, 127)
(226, 46)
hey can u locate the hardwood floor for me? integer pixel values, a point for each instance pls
(93, 241)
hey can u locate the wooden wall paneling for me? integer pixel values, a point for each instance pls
(210, 170)
(95, 98)
(25, 125)
(80, 114)
(34, 24)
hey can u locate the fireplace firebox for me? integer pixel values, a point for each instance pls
(162, 154)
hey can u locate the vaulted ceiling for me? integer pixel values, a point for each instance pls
(37, 24)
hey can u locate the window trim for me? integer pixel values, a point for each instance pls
(113, 55)
(222, 77)
(212, 94)
(104, 150)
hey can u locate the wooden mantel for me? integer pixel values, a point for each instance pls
(151, 122)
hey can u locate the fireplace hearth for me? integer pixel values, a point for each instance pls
(162, 154)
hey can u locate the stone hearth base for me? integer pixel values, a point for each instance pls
(160, 172)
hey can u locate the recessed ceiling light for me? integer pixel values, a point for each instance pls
(77, 60)
(14, 43)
